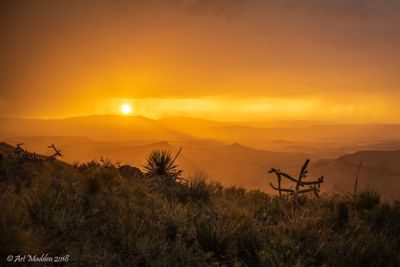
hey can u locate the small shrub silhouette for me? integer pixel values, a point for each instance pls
(216, 234)
(161, 163)
(198, 190)
(367, 200)
(342, 210)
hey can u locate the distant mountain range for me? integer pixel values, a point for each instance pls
(235, 154)
(289, 136)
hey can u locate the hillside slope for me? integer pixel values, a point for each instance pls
(231, 164)
(94, 215)
(380, 171)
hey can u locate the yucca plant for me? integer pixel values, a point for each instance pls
(161, 163)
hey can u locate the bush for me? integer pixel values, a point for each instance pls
(198, 190)
(367, 200)
(216, 233)
(342, 213)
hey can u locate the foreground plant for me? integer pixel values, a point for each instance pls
(161, 163)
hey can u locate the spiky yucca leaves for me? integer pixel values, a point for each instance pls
(161, 163)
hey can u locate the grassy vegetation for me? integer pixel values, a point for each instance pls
(103, 218)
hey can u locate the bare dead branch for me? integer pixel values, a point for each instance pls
(313, 186)
(57, 152)
(356, 181)
(302, 174)
(283, 174)
(281, 189)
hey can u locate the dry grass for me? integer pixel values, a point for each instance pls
(103, 219)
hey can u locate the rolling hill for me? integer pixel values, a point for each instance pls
(380, 171)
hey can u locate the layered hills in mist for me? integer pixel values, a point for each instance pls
(233, 153)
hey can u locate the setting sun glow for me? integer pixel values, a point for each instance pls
(126, 109)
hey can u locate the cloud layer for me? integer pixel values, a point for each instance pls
(56, 54)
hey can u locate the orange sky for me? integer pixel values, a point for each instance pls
(216, 59)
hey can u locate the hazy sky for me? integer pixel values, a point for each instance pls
(219, 59)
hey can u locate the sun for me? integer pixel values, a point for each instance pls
(126, 109)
